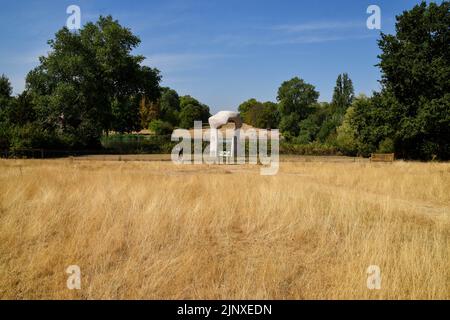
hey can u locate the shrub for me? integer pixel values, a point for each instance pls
(386, 146)
(313, 149)
(5, 136)
(160, 127)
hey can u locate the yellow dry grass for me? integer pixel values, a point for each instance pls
(160, 231)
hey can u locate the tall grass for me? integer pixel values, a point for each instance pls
(156, 230)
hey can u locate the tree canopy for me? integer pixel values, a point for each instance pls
(192, 110)
(415, 65)
(343, 93)
(260, 114)
(90, 83)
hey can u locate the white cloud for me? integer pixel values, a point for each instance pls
(318, 39)
(275, 40)
(318, 26)
(305, 33)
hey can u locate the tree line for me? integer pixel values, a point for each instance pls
(90, 84)
(409, 116)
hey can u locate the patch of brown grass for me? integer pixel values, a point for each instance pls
(156, 230)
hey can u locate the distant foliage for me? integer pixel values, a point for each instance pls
(260, 114)
(170, 106)
(314, 148)
(415, 65)
(160, 127)
(88, 84)
(346, 139)
(343, 93)
(192, 110)
(91, 85)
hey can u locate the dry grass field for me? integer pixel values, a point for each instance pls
(160, 231)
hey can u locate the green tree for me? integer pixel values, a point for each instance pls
(343, 93)
(415, 61)
(346, 139)
(5, 97)
(90, 83)
(5, 104)
(125, 114)
(334, 113)
(373, 121)
(160, 127)
(310, 128)
(296, 100)
(269, 117)
(415, 65)
(5, 87)
(169, 106)
(20, 111)
(290, 125)
(245, 107)
(296, 96)
(148, 111)
(192, 110)
(260, 114)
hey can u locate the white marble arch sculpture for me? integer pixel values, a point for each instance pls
(216, 122)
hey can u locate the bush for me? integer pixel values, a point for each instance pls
(346, 139)
(386, 146)
(160, 127)
(313, 149)
(5, 136)
(137, 144)
(32, 136)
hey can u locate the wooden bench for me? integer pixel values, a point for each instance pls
(382, 157)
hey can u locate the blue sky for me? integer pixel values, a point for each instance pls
(221, 52)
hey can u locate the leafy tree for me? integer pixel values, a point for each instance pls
(343, 93)
(415, 65)
(5, 103)
(5, 135)
(373, 121)
(160, 127)
(327, 131)
(296, 96)
(169, 106)
(296, 99)
(386, 146)
(90, 83)
(245, 106)
(333, 113)
(20, 111)
(290, 125)
(5, 97)
(308, 130)
(5, 87)
(125, 114)
(192, 110)
(415, 61)
(310, 127)
(346, 139)
(269, 116)
(148, 111)
(260, 114)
